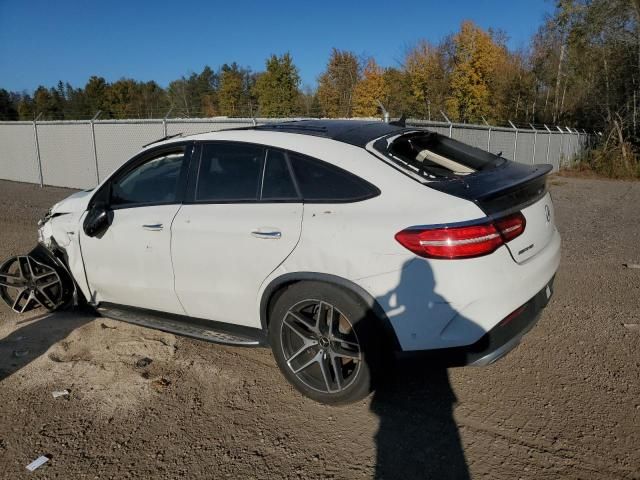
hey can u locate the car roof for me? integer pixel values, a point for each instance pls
(354, 132)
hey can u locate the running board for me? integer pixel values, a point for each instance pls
(207, 330)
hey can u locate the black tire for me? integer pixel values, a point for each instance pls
(335, 350)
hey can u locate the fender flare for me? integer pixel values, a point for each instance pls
(288, 278)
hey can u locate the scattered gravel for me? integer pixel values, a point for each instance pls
(564, 404)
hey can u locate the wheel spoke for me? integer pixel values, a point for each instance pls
(324, 368)
(45, 275)
(310, 323)
(336, 364)
(297, 329)
(302, 349)
(315, 359)
(17, 299)
(11, 281)
(30, 274)
(49, 284)
(325, 318)
(24, 272)
(48, 303)
(27, 302)
(340, 351)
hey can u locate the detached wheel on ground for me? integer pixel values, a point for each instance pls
(324, 341)
(27, 283)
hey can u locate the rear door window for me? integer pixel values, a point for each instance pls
(229, 172)
(277, 183)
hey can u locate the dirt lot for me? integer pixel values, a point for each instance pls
(565, 404)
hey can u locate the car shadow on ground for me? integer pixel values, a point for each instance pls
(418, 437)
(34, 336)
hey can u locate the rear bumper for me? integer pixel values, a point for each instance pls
(498, 341)
(505, 336)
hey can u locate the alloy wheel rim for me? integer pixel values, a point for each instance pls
(320, 346)
(26, 284)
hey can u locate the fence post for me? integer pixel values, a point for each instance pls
(561, 147)
(37, 145)
(385, 114)
(488, 134)
(95, 149)
(535, 138)
(548, 142)
(575, 147)
(164, 121)
(515, 144)
(450, 124)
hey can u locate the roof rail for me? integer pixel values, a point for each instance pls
(167, 137)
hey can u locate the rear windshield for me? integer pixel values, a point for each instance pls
(433, 156)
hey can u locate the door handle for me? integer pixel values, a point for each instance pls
(156, 227)
(273, 234)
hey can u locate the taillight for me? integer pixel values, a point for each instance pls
(511, 226)
(462, 242)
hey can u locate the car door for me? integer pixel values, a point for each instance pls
(130, 263)
(242, 220)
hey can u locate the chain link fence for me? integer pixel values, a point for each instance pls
(80, 154)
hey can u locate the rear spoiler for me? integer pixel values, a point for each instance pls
(501, 190)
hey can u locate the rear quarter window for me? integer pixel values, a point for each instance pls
(319, 181)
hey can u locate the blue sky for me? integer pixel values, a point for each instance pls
(42, 42)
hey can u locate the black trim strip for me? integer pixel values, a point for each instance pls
(163, 320)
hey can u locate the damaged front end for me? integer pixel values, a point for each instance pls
(44, 277)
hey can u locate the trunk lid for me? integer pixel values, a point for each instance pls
(498, 186)
(538, 231)
(506, 189)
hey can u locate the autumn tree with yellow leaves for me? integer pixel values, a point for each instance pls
(475, 58)
(337, 84)
(425, 64)
(370, 90)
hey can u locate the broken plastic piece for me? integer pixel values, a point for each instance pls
(37, 463)
(60, 393)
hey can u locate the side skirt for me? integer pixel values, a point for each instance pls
(207, 330)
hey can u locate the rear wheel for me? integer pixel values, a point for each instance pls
(323, 339)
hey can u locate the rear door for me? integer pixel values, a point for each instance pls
(242, 219)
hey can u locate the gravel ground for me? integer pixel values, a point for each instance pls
(565, 404)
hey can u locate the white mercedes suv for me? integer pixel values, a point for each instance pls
(334, 242)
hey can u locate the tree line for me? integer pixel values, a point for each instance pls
(582, 69)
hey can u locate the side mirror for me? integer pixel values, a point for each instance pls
(97, 220)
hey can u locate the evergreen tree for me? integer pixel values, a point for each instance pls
(95, 92)
(233, 98)
(276, 89)
(8, 110)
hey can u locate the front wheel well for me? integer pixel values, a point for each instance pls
(280, 285)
